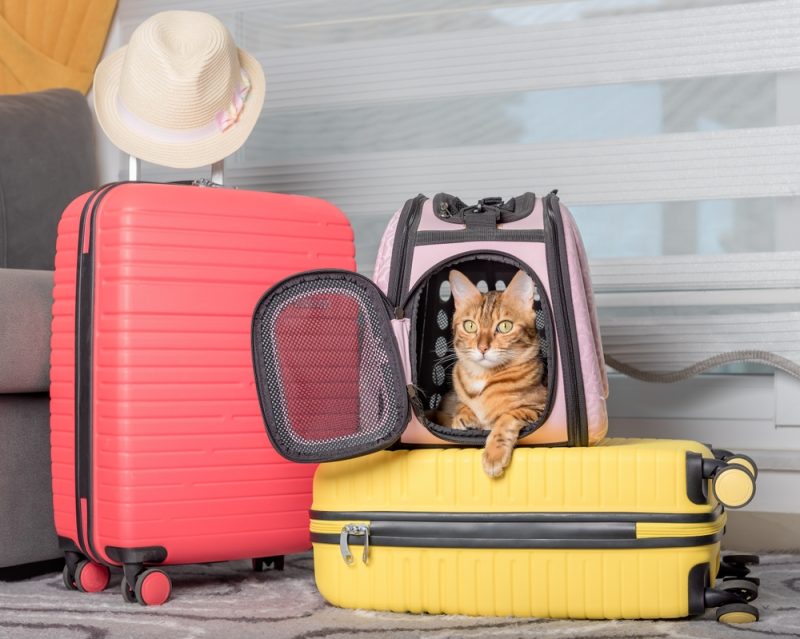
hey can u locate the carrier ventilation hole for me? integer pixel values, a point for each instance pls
(441, 319)
(444, 291)
(482, 286)
(440, 346)
(438, 374)
(499, 285)
(436, 399)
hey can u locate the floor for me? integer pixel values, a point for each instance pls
(229, 601)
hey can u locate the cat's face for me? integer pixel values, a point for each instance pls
(496, 328)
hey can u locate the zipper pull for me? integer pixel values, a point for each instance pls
(205, 182)
(359, 530)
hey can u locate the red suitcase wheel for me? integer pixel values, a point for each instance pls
(153, 587)
(69, 580)
(127, 592)
(91, 577)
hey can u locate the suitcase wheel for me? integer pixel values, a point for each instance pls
(743, 460)
(153, 587)
(737, 613)
(90, 576)
(260, 564)
(741, 560)
(69, 579)
(753, 580)
(745, 588)
(734, 486)
(127, 593)
(736, 567)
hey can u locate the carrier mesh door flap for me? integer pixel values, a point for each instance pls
(329, 375)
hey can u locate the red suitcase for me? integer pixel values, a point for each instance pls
(159, 453)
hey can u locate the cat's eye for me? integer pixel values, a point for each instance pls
(505, 326)
(470, 326)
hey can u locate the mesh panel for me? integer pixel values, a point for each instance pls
(331, 382)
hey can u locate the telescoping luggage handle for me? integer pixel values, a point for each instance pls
(217, 172)
(329, 373)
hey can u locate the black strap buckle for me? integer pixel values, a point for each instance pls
(489, 203)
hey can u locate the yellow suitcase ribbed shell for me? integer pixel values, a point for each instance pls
(617, 476)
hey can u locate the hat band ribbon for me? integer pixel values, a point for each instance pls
(221, 122)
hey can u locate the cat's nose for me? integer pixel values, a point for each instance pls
(483, 347)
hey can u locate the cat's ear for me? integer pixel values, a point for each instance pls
(522, 288)
(464, 291)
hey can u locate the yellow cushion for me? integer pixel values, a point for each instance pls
(45, 45)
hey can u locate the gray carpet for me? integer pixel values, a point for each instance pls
(228, 601)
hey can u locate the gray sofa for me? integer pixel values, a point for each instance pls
(47, 157)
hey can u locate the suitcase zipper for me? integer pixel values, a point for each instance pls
(573, 389)
(84, 304)
(514, 530)
(357, 530)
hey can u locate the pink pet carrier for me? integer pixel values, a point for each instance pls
(373, 354)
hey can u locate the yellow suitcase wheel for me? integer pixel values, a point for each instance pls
(744, 460)
(734, 486)
(737, 613)
(744, 588)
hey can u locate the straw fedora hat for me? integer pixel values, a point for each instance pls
(181, 93)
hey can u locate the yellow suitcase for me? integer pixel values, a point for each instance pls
(625, 529)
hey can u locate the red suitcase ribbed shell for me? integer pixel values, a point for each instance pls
(177, 456)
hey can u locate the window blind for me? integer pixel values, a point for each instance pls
(671, 127)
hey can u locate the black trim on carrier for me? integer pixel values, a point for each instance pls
(276, 425)
(410, 306)
(491, 234)
(403, 248)
(577, 429)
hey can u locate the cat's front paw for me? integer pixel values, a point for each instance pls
(495, 459)
(460, 423)
(464, 419)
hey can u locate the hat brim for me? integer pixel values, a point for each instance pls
(179, 155)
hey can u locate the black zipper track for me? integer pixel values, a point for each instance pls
(528, 539)
(84, 315)
(577, 429)
(514, 530)
(400, 269)
(84, 303)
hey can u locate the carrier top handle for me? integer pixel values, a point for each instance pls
(485, 214)
(217, 172)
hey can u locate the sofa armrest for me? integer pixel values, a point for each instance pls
(47, 159)
(26, 300)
